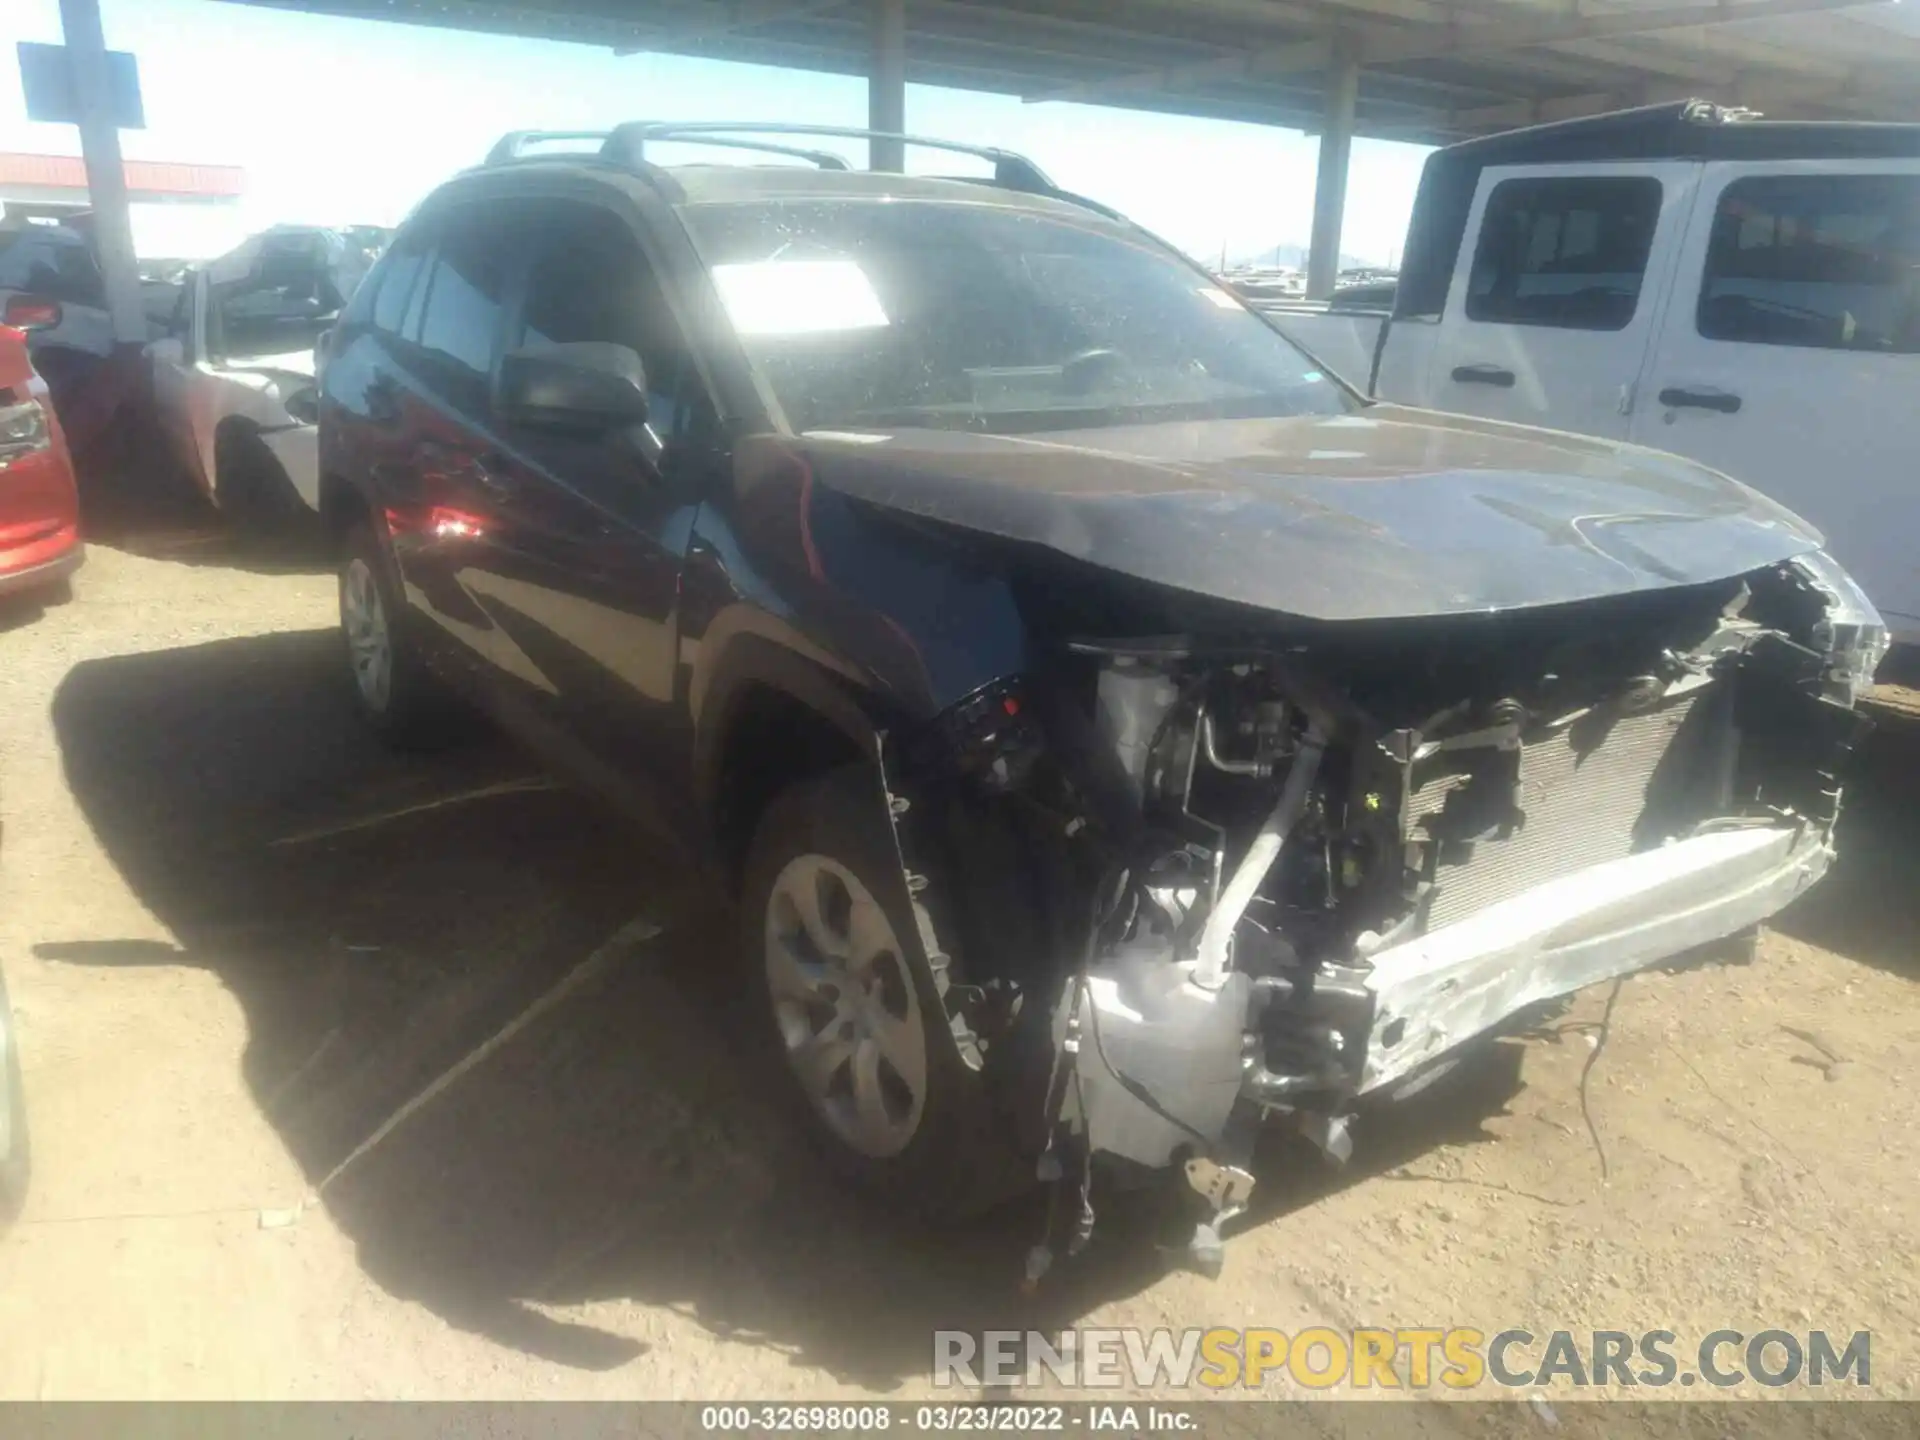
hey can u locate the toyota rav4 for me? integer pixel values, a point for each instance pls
(1114, 731)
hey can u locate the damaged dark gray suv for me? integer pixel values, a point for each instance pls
(1115, 732)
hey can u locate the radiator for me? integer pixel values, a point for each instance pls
(1580, 809)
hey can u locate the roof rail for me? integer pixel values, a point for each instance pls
(1010, 170)
(623, 145)
(513, 144)
(617, 146)
(626, 146)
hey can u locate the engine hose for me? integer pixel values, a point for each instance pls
(1216, 940)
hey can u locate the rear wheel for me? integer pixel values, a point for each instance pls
(392, 688)
(851, 1007)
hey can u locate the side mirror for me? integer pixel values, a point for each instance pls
(586, 385)
(31, 312)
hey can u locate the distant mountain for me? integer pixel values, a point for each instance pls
(1290, 255)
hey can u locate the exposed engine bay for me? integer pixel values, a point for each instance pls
(1194, 880)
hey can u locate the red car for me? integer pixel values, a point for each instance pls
(39, 503)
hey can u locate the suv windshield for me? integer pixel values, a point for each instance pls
(867, 313)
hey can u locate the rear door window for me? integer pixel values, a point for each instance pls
(396, 279)
(1823, 261)
(1568, 253)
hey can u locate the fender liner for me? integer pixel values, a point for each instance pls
(754, 662)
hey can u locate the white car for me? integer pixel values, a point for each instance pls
(233, 376)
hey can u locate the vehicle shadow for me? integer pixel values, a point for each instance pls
(616, 1150)
(135, 498)
(1868, 907)
(25, 607)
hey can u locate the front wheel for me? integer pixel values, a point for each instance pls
(851, 1006)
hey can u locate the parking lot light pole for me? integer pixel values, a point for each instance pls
(887, 84)
(1330, 178)
(106, 177)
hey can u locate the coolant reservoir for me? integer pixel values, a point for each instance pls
(1178, 1042)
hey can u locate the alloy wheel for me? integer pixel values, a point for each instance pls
(369, 644)
(845, 1005)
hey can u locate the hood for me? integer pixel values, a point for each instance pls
(295, 363)
(1391, 512)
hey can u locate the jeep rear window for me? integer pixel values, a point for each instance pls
(881, 313)
(1824, 261)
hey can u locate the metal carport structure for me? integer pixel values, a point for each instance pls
(1426, 71)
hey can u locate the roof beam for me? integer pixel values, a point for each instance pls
(1490, 36)
(1765, 94)
(1527, 75)
(1515, 113)
(1010, 71)
(1692, 55)
(1651, 60)
(970, 19)
(729, 20)
(1747, 51)
(848, 26)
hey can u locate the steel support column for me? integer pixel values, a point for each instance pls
(1330, 179)
(887, 84)
(106, 176)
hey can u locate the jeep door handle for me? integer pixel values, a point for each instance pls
(1483, 375)
(1677, 398)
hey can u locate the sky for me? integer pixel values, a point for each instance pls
(353, 121)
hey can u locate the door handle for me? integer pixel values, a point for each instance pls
(460, 465)
(1483, 375)
(1720, 400)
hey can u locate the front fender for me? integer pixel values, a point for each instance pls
(926, 616)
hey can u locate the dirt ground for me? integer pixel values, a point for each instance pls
(227, 983)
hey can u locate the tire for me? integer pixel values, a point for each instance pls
(392, 688)
(15, 1152)
(860, 1037)
(257, 497)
